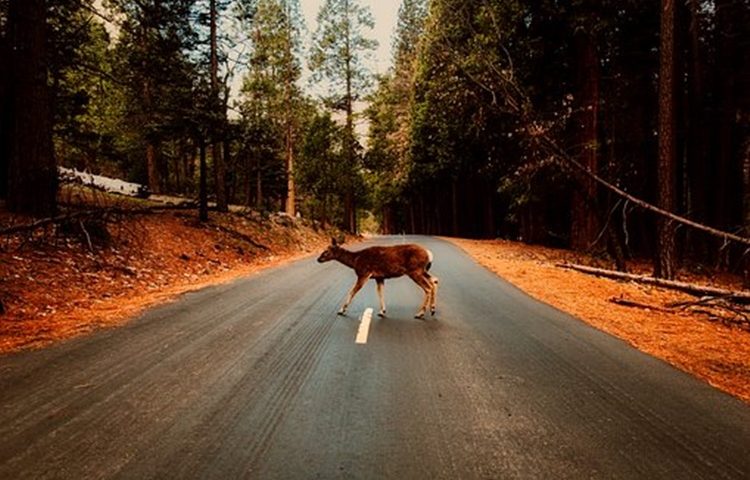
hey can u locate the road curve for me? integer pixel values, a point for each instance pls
(260, 379)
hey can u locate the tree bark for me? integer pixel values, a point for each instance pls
(696, 138)
(664, 264)
(218, 160)
(454, 207)
(584, 225)
(5, 115)
(291, 202)
(202, 183)
(154, 179)
(32, 174)
(258, 185)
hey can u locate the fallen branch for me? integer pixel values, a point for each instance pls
(690, 288)
(630, 303)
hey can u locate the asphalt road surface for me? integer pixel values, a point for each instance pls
(261, 379)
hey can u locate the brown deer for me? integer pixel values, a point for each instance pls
(381, 263)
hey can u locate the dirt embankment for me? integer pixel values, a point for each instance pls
(55, 286)
(695, 340)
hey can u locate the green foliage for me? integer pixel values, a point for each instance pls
(321, 169)
(339, 49)
(273, 107)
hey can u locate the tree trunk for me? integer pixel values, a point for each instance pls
(454, 207)
(202, 183)
(229, 182)
(584, 225)
(696, 137)
(291, 203)
(154, 179)
(32, 174)
(5, 115)
(218, 160)
(258, 186)
(746, 207)
(664, 265)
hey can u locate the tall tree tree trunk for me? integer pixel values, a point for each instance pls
(218, 160)
(152, 157)
(746, 206)
(664, 264)
(454, 207)
(258, 185)
(696, 137)
(5, 115)
(32, 174)
(291, 202)
(226, 150)
(584, 223)
(202, 183)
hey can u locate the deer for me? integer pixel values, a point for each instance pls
(381, 263)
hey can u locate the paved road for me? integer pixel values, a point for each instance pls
(260, 379)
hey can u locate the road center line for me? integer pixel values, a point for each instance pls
(364, 327)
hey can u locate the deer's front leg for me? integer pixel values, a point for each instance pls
(381, 283)
(357, 286)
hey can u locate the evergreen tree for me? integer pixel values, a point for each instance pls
(155, 41)
(273, 103)
(32, 174)
(337, 55)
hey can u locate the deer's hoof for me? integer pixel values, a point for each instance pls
(432, 312)
(381, 313)
(419, 315)
(341, 312)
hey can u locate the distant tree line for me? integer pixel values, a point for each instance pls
(472, 132)
(141, 89)
(652, 96)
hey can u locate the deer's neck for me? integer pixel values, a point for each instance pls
(347, 258)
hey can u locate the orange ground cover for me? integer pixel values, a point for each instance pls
(715, 351)
(55, 288)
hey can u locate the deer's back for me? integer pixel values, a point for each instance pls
(391, 262)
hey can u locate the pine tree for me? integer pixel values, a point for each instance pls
(665, 255)
(272, 100)
(337, 55)
(32, 175)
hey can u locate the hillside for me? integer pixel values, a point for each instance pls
(60, 282)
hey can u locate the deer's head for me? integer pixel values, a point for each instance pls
(331, 252)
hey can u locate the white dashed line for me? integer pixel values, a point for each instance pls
(364, 327)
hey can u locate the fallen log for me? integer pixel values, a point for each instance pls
(689, 288)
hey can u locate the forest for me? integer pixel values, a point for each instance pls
(619, 128)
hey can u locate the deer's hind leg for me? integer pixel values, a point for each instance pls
(425, 285)
(357, 286)
(433, 281)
